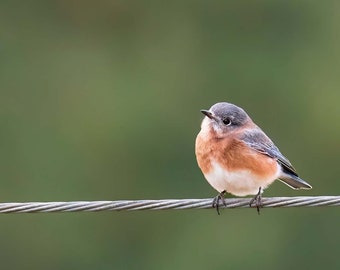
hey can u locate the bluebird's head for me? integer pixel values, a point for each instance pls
(224, 117)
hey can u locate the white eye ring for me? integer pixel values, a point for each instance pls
(226, 121)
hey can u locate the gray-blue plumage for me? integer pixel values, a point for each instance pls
(260, 142)
(229, 117)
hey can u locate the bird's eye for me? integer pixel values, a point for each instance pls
(226, 121)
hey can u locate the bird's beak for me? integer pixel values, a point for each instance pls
(208, 114)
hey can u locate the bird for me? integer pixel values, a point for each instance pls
(237, 157)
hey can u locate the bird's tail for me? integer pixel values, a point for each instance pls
(294, 182)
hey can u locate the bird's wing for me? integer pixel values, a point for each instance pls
(260, 142)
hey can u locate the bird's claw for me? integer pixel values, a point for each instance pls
(216, 201)
(257, 201)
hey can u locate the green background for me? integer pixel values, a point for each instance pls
(100, 100)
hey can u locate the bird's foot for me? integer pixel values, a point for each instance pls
(257, 201)
(216, 201)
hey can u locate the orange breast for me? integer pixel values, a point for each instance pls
(233, 155)
(204, 151)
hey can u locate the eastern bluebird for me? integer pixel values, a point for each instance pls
(237, 157)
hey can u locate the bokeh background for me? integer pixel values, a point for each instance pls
(100, 100)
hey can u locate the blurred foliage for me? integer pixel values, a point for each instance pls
(100, 100)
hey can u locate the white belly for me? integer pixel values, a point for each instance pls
(240, 183)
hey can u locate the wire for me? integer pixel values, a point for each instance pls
(96, 206)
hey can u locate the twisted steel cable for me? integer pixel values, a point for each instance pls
(96, 206)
